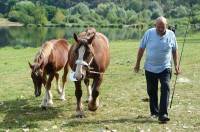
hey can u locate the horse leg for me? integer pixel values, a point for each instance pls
(64, 80)
(89, 91)
(78, 93)
(47, 100)
(94, 102)
(57, 83)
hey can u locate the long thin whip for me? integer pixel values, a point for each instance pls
(186, 32)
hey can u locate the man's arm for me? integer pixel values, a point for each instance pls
(139, 57)
(176, 61)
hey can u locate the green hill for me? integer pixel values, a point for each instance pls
(99, 12)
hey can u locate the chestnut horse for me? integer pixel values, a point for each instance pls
(52, 57)
(88, 58)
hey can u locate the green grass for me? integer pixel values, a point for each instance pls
(122, 91)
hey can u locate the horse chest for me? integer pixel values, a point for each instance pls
(49, 68)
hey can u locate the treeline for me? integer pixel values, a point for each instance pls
(98, 12)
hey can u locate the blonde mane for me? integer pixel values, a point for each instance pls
(44, 52)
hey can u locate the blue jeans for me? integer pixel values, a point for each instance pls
(152, 90)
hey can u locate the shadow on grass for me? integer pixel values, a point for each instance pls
(134, 120)
(21, 113)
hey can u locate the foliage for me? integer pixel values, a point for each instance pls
(81, 9)
(179, 12)
(103, 12)
(59, 17)
(27, 13)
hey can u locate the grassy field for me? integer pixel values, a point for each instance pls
(122, 92)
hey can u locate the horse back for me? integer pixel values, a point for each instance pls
(59, 55)
(101, 51)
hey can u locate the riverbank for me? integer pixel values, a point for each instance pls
(6, 23)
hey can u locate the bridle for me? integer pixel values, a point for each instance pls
(88, 66)
(84, 63)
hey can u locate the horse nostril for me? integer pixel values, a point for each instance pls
(37, 94)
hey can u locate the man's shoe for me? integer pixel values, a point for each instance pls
(163, 118)
(154, 116)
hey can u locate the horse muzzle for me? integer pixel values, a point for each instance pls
(80, 77)
(37, 93)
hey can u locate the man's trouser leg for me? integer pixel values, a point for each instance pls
(152, 90)
(164, 77)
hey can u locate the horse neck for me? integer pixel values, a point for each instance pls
(41, 59)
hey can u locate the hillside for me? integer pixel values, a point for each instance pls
(99, 12)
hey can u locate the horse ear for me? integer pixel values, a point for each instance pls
(91, 39)
(30, 65)
(76, 38)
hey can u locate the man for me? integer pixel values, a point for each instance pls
(160, 44)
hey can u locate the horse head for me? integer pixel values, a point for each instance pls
(85, 55)
(37, 77)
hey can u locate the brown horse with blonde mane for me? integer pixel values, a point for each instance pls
(52, 57)
(88, 58)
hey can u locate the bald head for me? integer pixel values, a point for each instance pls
(162, 20)
(161, 25)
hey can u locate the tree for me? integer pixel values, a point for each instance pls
(25, 7)
(135, 5)
(112, 16)
(80, 8)
(156, 9)
(179, 12)
(20, 17)
(39, 15)
(121, 14)
(59, 17)
(131, 17)
(156, 14)
(51, 12)
(102, 9)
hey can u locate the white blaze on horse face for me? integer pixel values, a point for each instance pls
(79, 66)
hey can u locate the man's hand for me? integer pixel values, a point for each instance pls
(139, 56)
(137, 68)
(177, 70)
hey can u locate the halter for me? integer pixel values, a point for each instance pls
(84, 63)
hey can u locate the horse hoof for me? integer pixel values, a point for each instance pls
(80, 115)
(62, 98)
(92, 108)
(50, 103)
(44, 107)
